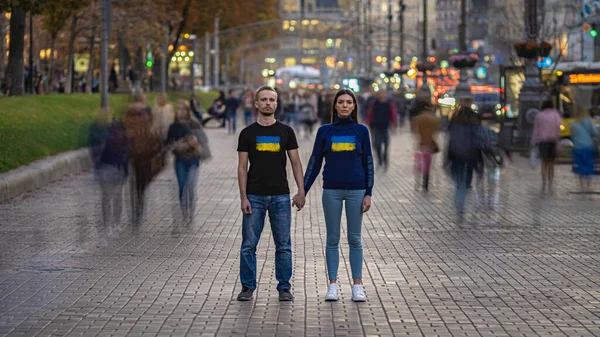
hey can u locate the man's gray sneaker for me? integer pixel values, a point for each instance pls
(245, 294)
(285, 295)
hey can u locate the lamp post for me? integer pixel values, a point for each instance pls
(194, 58)
(106, 19)
(389, 42)
(425, 52)
(206, 82)
(401, 25)
(529, 98)
(463, 90)
(216, 49)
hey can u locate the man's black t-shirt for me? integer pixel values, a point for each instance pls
(266, 147)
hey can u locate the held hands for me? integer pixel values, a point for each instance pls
(299, 200)
(366, 204)
(245, 206)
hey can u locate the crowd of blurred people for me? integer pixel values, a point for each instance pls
(135, 148)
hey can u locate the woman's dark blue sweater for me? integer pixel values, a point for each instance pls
(346, 147)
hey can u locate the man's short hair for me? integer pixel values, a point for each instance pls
(264, 88)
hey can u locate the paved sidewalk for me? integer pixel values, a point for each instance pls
(521, 264)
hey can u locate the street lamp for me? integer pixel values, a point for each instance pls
(529, 98)
(463, 90)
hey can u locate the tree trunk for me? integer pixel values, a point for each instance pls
(184, 15)
(156, 71)
(2, 51)
(16, 50)
(52, 62)
(124, 58)
(90, 74)
(70, 62)
(139, 67)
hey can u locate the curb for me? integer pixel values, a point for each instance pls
(42, 172)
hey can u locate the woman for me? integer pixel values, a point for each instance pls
(584, 134)
(163, 116)
(464, 150)
(147, 156)
(425, 126)
(546, 129)
(347, 178)
(187, 151)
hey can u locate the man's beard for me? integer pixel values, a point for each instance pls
(267, 113)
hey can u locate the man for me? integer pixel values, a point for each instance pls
(231, 106)
(401, 106)
(381, 116)
(264, 188)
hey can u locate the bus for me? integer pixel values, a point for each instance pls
(575, 84)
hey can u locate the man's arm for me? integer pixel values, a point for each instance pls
(294, 156)
(243, 180)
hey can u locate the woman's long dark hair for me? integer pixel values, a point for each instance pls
(465, 115)
(349, 92)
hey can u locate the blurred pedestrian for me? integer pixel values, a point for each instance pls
(584, 136)
(264, 188)
(463, 155)
(381, 117)
(147, 155)
(546, 129)
(197, 108)
(231, 105)
(249, 115)
(163, 116)
(188, 151)
(401, 106)
(425, 127)
(348, 180)
(308, 114)
(109, 149)
(113, 80)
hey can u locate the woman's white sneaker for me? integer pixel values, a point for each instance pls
(332, 292)
(358, 295)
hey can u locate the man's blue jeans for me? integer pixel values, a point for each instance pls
(232, 120)
(280, 216)
(381, 142)
(333, 201)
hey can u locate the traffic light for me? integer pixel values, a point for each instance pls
(590, 29)
(149, 64)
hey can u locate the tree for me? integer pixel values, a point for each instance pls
(55, 14)
(18, 10)
(2, 49)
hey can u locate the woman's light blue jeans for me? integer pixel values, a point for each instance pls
(333, 201)
(187, 176)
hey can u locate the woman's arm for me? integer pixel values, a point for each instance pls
(315, 162)
(367, 161)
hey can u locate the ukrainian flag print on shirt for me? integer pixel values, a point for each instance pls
(343, 143)
(268, 143)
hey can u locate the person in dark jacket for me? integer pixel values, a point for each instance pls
(381, 117)
(465, 144)
(348, 180)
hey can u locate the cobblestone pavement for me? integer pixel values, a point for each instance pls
(521, 264)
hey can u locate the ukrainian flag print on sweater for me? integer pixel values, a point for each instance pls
(268, 143)
(346, 147)
(343, 143)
